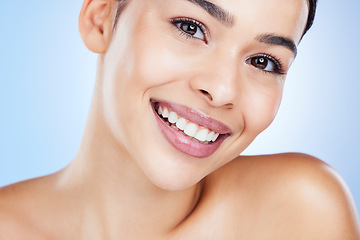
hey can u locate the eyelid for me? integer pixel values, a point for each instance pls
(199, 24)
(276, 61)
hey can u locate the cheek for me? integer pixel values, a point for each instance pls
(159, 55)
(260, 107)
(159, 61)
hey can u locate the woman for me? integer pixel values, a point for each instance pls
(183, 87)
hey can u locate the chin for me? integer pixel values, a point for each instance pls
(173, 173)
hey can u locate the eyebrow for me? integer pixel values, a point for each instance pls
(217, 12)
(272, 39)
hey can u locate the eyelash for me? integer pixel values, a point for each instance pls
(276, 61)
(198, 24)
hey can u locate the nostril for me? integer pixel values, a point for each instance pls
(208, 95)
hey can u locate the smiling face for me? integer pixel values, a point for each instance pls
(215, 74)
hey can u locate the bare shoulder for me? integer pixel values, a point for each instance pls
(22, 208)
(288, 195)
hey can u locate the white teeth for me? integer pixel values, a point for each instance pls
(173, 117)
(210, 136)
(202, 134)
(181, 123)
(191, 129)
(215, 137)
(165, 113)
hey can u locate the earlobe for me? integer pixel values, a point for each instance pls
(95, 25)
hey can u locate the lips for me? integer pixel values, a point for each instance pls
(189, 130)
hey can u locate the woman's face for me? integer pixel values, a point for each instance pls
(216, 66)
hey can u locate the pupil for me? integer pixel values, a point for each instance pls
(189, 28)
(261, 62)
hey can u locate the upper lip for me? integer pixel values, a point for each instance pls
(196, 116)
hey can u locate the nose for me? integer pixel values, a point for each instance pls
(217, 82)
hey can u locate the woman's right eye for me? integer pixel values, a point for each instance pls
(191, 28)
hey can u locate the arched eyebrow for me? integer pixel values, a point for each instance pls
(216, 11)
(272, 39)
(228, 20)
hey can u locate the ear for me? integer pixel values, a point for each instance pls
(95, 24)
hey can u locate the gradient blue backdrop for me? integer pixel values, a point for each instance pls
(47, 79)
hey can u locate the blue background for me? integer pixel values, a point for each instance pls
(47, 78)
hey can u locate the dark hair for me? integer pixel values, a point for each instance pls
(310, 20)
(121, 4)
(311, 16)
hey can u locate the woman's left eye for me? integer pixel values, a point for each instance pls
(191, 28)
(266, 63)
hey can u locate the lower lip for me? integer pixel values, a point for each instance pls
(184, 144)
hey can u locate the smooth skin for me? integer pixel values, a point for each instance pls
(128, 182)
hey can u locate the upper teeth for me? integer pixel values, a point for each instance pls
(191, 129)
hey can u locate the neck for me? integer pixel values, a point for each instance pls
(115, 190)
